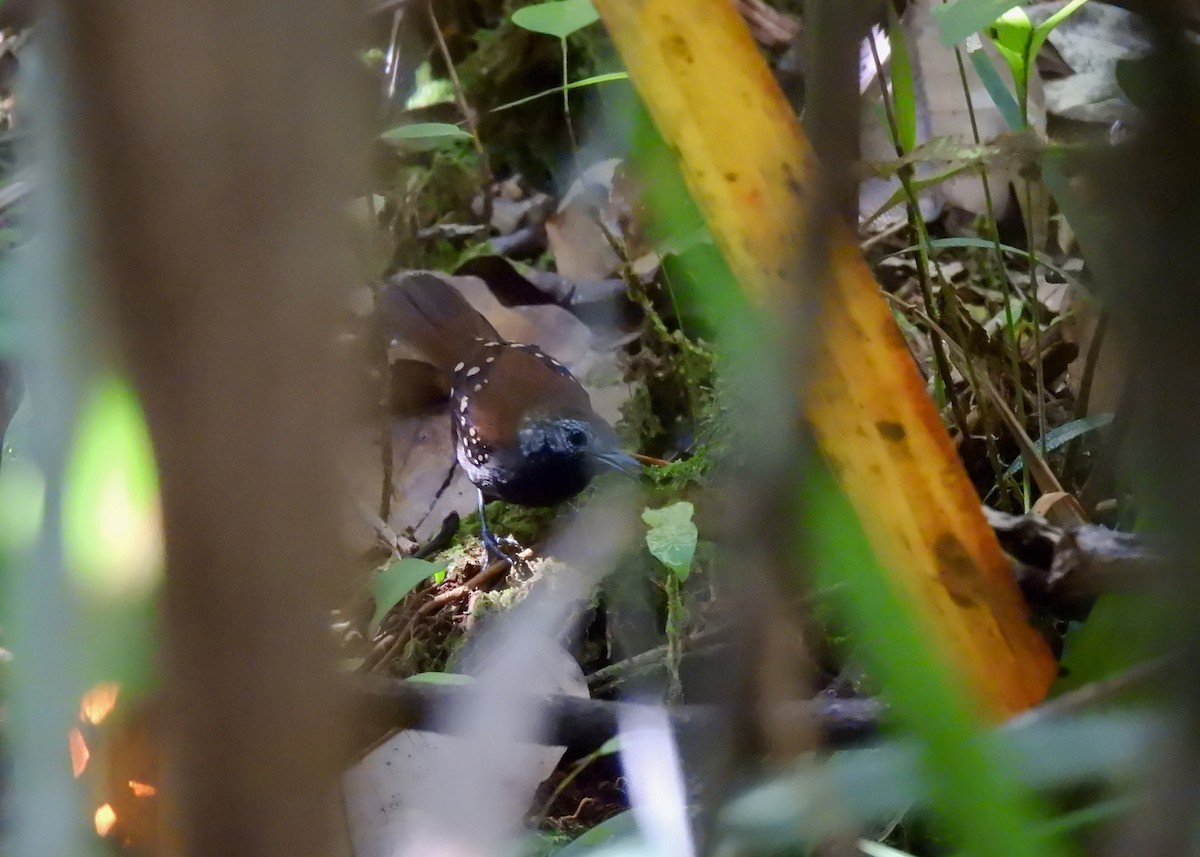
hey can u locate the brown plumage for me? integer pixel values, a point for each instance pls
(524, 428)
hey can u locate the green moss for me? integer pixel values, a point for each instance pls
(674, 377)
(424, 190)
(671, 480)
(525, 524)
(638, 418)
(497, 600)
(427, 653)
(510, 63)
(464, 551)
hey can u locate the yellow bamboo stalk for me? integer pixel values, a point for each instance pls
(749, 167)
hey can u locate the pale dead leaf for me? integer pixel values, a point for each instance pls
(387, 794)
(1091, 41)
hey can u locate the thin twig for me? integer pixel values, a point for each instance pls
(567, 98)
(998, 272)
(460, 96)
(1034, 462)
(1083, 399)
(647, 660)
(487, 575)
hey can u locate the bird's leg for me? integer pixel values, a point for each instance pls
(495, 546)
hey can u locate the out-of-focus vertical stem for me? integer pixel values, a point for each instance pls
(216, 141)
(42, 617)
(1149, 190)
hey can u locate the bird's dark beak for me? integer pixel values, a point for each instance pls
(615, 459)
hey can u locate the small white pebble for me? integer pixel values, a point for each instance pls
(458, 368)
(478, 387)
(462, 404)
(474, 370)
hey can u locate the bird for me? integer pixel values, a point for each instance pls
(524, 427)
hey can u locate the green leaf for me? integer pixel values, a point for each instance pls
(672, 536)
(1122, 629)
(397, 580)
(873, 785)
(1043, 30)
(957, 21)
(1012, 35)
(1056, 437)
(560, 18)
(986, 244)
(997, 88)
(1145, 80)
(918, 184)
(441, 678)
(424, 132)
(904, 101)
(1013, 32)
(608, 77)
(619, 828)
(1136, 80)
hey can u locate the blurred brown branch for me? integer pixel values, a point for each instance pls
(214, 145)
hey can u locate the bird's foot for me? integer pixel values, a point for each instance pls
(501, 548)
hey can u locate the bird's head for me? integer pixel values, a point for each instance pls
(585, 441)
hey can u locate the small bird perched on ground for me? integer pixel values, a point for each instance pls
(524, 429)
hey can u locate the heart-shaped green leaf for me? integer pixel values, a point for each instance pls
(560, 18)
(956, 21)
(672, 536)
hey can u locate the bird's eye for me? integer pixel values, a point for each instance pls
(577, 438)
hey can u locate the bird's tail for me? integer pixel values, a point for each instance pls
(433, 317)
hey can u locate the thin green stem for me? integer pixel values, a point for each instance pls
(609, 77)
(1032, 238)
(999, 274)
(566, 93)
(943, 374)
(675, 617)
